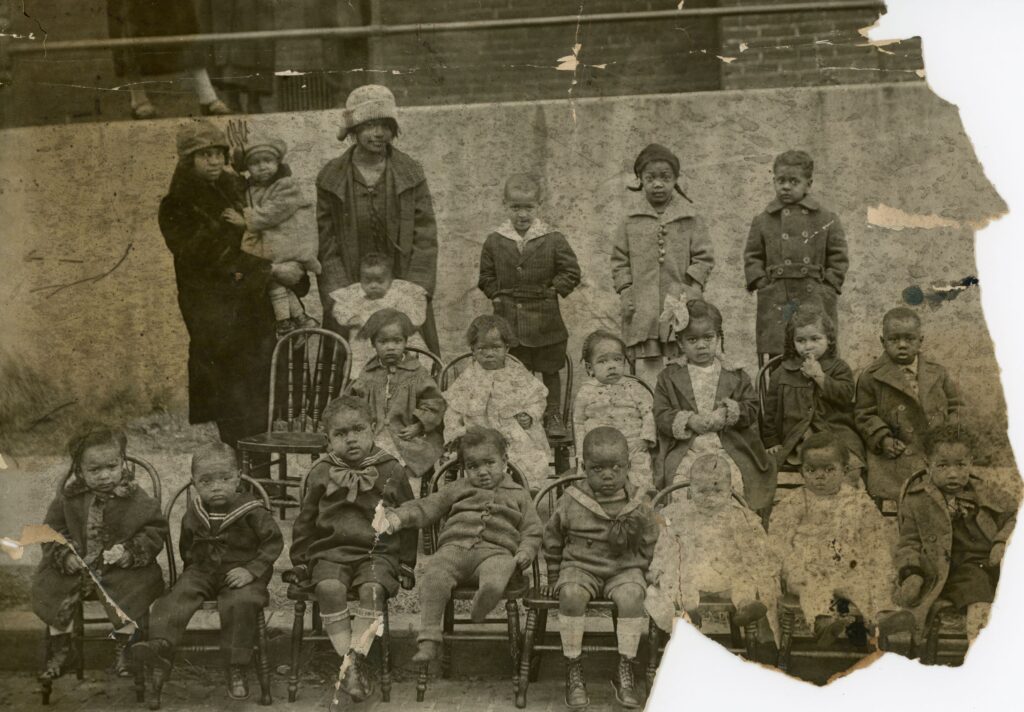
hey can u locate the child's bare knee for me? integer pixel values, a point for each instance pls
(573, 599)
(629, 598)
(372, 595)
(332, 594)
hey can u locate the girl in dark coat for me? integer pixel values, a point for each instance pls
(159, 18)
(810, 391)
(112, 532)
(221, 289)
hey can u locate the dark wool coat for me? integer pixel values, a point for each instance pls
(886, 406)
(673, 394)
(655, 256)
(410, 224)
(926, 531)
(796, 407)
(504, 516)
(153, 18)
(248, 537)
(400, 399)
(331, 528)
(801, 250)
(223, 300)
(133, 520)
(577, 534)
(525, 286)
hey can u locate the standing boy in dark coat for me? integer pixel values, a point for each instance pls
(901, 397)
(229, 543)
(335, 548)
(795, 253)
(525, 266)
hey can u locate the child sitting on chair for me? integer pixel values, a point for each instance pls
(833, 543)
(334, 546)
(710, 543)
(406, 403)
(229, 543)
(377, 289)
(598, 543)
(497, 392)
(705, 405)
(953, 532)
(113, 532)
(490, 529)
(607, 398)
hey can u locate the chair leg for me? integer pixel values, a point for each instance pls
(653, 654)
(298, 626)
(525, 657)
(282, 490)
(446, 643)
(786, 622)
(541, 633)
(931, 644)
(385, 656)
(46, 686)
(262, 658)
(750, 640)
(79, 640)
(421, 681)
(139, 671)
(512, 617)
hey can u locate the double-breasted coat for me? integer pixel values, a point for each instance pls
(524, 278)
(130, 517)
(409, 217)
(796, 406)
(887, 406)
(925, 544)
(222, 294)
(654, 256)
(673, 394)
(800, 250)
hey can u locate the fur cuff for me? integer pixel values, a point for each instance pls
(680, 431)
(732, 412)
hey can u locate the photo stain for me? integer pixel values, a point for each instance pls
(937, 293)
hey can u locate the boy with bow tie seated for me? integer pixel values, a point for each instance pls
(229, 543)
(901, 397)
(334, 545)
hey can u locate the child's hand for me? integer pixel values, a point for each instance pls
(72, 562)
(761, 283)
(234, 217)
(238, 577)
(892, 447)
(394, 522)
(698, 423)
(523, 560)
(774, 449)
(406, 577)
(652, 577)
(117, 555)
(717, 419)
(411, 431)
(287, 273)
(651, 444)
(910, 590)
(296, 575)
(524, 420)
(995, 557)
(547, 590)
(626, 300)
(812, 369)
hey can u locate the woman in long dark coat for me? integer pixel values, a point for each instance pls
(222, 291)
(159, 18)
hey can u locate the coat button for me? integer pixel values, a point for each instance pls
(932, 537)
(809, 288)
(519, 269)
(804, 211)
(778, 271)
(661, 260)
(785, 211)
(901, 407)
(785, 236)
(803, 270)
(804, 233)
(788, 262)
(807, 260)
(519, 306)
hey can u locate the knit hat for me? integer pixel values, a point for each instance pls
(655, 152)
(198, 134)
(367, 103)
(259, 143)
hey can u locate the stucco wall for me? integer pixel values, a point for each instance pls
(73, 198)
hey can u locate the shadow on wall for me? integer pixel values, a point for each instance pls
(76, 197)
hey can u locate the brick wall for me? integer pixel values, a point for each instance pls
(809, 48)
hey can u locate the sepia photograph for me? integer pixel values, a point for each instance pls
(481, 354)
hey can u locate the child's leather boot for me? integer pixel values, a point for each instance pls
(122, 666)
(426, 651)
(625, 687)
(157, 656)
(554, 428)
(575, 686)
(238, 685)
(61, 657)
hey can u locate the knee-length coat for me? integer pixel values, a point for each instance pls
(800, 250)
(222, 294)
(130, 517)
(153, 18)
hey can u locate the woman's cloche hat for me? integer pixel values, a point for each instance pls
(366, 103)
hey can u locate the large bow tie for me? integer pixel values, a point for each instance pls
(353, 480)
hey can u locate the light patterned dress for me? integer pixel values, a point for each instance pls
(835, 545)
(352, 308)
(723, 552)
(627, 407)
(492, 399)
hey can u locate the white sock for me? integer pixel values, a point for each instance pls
(339, 629)
(58, 631)
(570, 630)
(628, 634)
(203, 85)
(364, 618)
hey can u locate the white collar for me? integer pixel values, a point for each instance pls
(538, 229)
